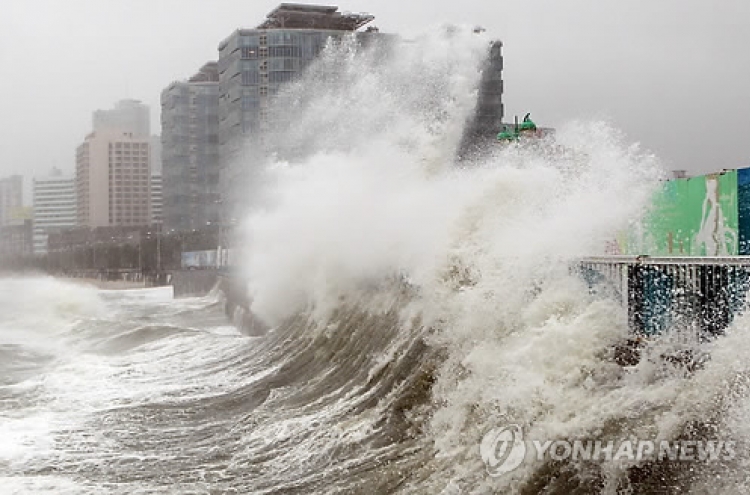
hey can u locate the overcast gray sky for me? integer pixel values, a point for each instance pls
(672, 74)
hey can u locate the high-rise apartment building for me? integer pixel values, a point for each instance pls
(254, 64)
(157, 200)
(127, 115)
(190, 151)
(11, 198)
(113, 179)
(54, 207)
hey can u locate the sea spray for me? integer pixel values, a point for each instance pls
(367, 184)
(416, 305)
(488, 248)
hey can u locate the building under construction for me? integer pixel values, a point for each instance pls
(302, 16)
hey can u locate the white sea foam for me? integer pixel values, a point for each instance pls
(488, 245)
(376, 194)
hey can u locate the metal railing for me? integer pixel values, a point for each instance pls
(707, 292)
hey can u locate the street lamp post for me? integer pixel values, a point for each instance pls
(219, 237)
(158, 248)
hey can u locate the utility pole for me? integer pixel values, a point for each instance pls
(158, 248)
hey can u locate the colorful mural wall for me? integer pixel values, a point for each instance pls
(707, 215)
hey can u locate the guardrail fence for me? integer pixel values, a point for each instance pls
(707, 292)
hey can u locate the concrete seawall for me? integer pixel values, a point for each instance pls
(196, 283)
(116, 279)
(237, 305)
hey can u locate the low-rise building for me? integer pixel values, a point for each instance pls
(11, 197)
(16, 241)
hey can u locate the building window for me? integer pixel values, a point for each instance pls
(285, 51)
(283, 38)
(248, 40)
(249, 77)
(250, 52)
(248, 103)
(284, 64)
(282, 76)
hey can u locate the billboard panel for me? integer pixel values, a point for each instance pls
(697, 216)
(199, 259)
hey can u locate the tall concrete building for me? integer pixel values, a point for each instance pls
(127, 115)
(156, 155)
(113, 179)
(157, 200)
(487, 120)
(11, 198)
(253, 65)
(190, 151)
(54, 207)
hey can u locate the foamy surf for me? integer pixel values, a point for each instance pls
(413, 305)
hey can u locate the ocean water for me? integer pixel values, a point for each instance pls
(414, 305)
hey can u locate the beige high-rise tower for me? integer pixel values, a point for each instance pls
(113, 179)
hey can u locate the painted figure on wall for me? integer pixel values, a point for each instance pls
(714, 237)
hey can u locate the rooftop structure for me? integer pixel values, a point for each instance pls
(127, 116)
(301, 16)
(209, 72)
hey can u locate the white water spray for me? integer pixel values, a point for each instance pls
(489, 248)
